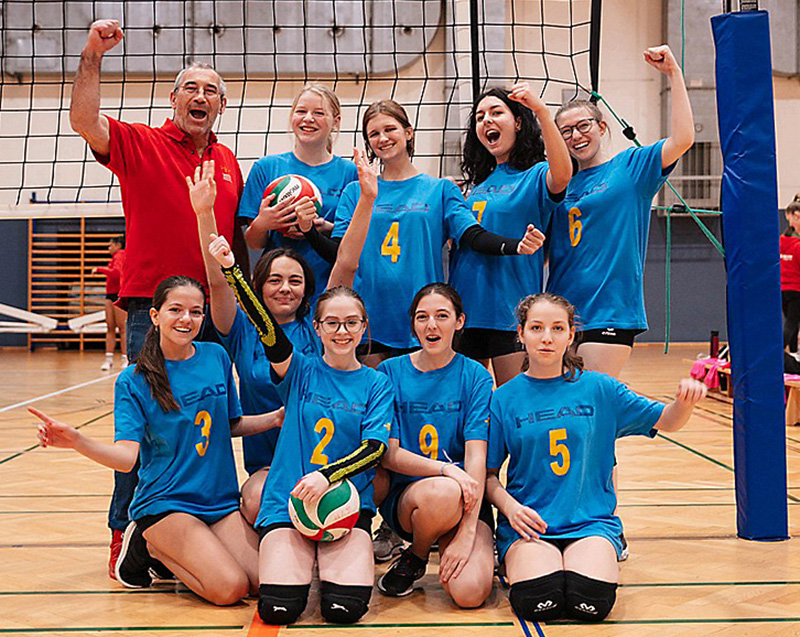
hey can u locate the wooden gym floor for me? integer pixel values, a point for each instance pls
(688, 574)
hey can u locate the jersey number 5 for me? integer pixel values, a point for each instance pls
(203, 418)
(326, 425)
(391, 242)
(575, 226)
(429, 442)
(558, 448)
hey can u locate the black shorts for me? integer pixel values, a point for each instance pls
(146, 521)
(374, 347)
(112, 296)
(389, 508)
(481, 344)
(560, 543)
(609, 336)
(364, 523)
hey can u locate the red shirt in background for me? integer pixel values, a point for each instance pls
(113, 272)
(790, 263)
(151, 165)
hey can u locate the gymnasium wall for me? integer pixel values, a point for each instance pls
(632, 87)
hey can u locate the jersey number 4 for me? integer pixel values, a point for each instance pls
(391, 242)
(575, 226)
(560, 451)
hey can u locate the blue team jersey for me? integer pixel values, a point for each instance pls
(256, 389)
(187, 462)
(411, 221)
(598, 241)
(329, 413)
(491, 286)
(330, 178)
(559, 437)
(437, 411)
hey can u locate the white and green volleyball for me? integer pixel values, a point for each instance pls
(291, 188)
(332, 517)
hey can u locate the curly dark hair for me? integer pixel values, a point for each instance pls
(478, 162)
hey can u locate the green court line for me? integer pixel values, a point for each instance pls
(694, 451)
(117, 629)
(58, 495)
(414, 625)
(648, 490)
(24, 451)
(35, 512)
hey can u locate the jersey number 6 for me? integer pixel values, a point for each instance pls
(575, 226)
(558, 448)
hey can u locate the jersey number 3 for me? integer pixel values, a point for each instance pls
(575, 226)
(203, 418)
(391, 242)
(559, 449)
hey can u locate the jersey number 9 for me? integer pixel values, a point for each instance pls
(429, 442)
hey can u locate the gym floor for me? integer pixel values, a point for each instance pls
(688, 573)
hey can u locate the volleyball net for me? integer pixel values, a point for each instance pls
(431, 56)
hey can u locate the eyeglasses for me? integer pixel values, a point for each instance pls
(583, 126)
(351, 325)
(194, 89)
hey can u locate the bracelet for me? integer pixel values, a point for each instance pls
(444, 466)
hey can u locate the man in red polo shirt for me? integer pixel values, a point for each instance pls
(151, 165)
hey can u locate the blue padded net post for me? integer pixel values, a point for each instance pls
(750, 224)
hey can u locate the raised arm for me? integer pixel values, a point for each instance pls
(276, 344)
(203, 193)
(84, 110)
(681, 121)
(348, 250)
(690, 392)
(559, 162)
(120, 455)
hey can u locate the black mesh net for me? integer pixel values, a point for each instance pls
(429, 55)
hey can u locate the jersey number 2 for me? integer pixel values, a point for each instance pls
(559, 449)
(391, 242)
(575, 226)
(203, 418)
(323, 424)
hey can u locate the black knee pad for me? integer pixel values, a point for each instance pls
(589, 600)
(539, 600)
(343, 604)
(281, 604)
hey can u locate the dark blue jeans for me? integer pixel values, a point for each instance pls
(136, 328)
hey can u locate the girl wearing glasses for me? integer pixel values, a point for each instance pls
(599, 239)
(512, 186)
(338, 416)
(437, 456)
(315, 118)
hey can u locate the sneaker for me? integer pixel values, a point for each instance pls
(399, 580)
(386, 544)
(625, 554)
(158, 571)
(107, 364)
(123, 362)
(113, 552)
(133, 566)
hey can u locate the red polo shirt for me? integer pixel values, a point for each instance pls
(151, 165)
(790, 263)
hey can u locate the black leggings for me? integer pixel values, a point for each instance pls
(791, 315)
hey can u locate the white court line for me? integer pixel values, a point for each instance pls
(60, 391)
